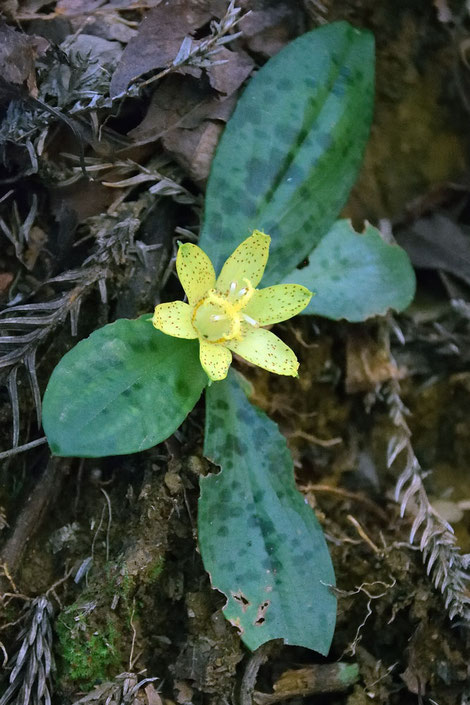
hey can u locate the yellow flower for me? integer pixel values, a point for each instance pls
(226, 313)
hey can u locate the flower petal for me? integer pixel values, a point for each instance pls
(263, 348)
(195, 271)
(277, 303)
(215, 359)
(248, 261)
(174, 319)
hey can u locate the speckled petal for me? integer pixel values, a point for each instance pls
(247, 262)
(174, 319)
(195, 271)
(215, 360)
(277, 303)
(263, 348)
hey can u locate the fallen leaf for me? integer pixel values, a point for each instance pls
(160, 35)
(184, 692)
(18, 53)
(194, 149)
(438, 243)
(6, 279)
(83, 199)
(229, 76)
(103, 54)
(182, 114)
(180, 102)
(78, 7)
(153, 698)
(268, 28)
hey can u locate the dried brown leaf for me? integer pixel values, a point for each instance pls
(161, 33)
(229, 76)
(69, 8)
(439, 243)
(6, 279)
(271, 25)
(194, 149)
(180, 102)
(18, 53)
(73, 204)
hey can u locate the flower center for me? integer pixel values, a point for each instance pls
(217, 317)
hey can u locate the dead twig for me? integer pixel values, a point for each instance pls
(247, 686)
(21, 449)
(347, 494)
(30, 518)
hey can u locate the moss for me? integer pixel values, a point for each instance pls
(155, 569)
(87, 652)
(92, 633)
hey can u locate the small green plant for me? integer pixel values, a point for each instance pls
(285, 165)
(87, 652)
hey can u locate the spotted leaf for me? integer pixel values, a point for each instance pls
(292, 149)
(125, 388)
(356, 275)
(260, 541)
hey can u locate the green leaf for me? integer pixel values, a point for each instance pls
(260, 541)
(124, 389)
(355, 276)
(291, 151)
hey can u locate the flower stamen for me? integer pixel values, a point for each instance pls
(250, 320)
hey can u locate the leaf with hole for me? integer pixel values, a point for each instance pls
(356, 275)
(292, 149)
(124, 389)
(259, 540)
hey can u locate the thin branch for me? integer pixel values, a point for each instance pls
(23, 448)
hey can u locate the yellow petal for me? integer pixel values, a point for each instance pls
(215, 359)
(247, 262)
(277, 303)
(195, 271)
(174, 319)
(263, 348)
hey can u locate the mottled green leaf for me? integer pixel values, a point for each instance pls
(124, 389)
(291, 151)
(355, 276)
(260, 541)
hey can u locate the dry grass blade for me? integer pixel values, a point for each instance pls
(15, 407)
(124, 689)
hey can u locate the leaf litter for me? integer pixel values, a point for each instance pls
(79, 94)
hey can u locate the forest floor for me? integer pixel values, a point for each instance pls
(105, 551)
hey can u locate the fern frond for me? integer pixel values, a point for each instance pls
(24, 327)
(30, 681)
(446, 565)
